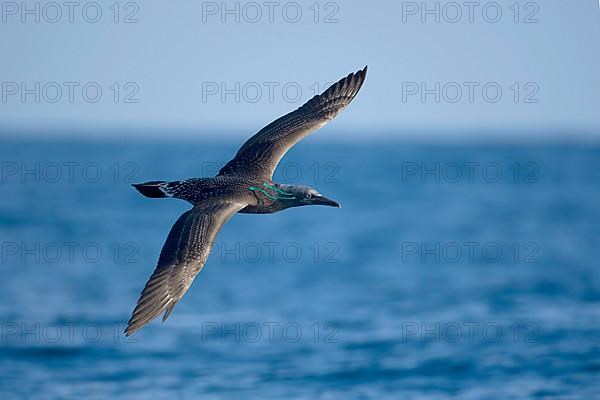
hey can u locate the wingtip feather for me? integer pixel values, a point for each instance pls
(168, 311)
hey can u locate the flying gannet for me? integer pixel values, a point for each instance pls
(243, 185)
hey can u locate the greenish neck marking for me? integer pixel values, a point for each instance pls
(276, 196)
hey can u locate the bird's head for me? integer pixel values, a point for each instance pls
(300, 195)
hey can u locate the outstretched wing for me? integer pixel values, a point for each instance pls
(259, 156)
(183, 255)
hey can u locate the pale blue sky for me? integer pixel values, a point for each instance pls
(180, 55)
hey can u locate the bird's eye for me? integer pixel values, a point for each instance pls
(308, 195)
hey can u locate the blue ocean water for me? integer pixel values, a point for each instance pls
(465, 271)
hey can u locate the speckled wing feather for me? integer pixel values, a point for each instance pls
(183, 255)
(259, 156)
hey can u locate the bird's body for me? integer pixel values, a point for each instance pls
(243, 185)
(260, 197)
(196, 190)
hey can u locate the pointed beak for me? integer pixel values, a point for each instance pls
(324, 201)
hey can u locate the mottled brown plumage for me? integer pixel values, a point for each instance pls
(243, 185)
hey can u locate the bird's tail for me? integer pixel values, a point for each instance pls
(155, 189)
